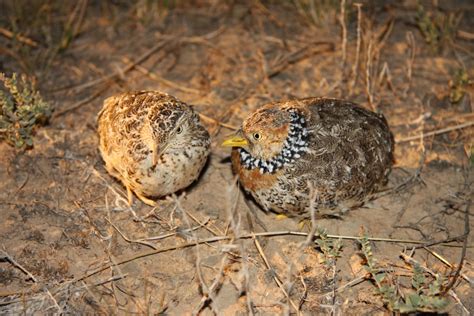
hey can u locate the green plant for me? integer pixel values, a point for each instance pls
(380, 278)
(49, 28)
(22, 109)
(331, 248)
(458, 85)
(424, 295)
(437, 27)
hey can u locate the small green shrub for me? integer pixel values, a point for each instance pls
(425, 294)
(437, 27)
(22, 109)
(331, 248)
(458, 85)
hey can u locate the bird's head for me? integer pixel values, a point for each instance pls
(270, 138)
(172, 127)
(263, 133)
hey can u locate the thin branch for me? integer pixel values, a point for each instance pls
(409, 259)
(463, 251)
(368, 75)
(118, 73)
(275, 275)
(158, 78)
(141, 242)
(210, 119)
(446, 262)
(22, 39)
(81, 102)
(224, 238)
(342, 21)
(217, 282)
(294, 57)
(355, 66)
(5, 256)
(436, 132)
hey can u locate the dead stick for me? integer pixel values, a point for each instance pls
(160, 79)
(275, 275)
(210, 119)
(463, 251)
(410, 260)
(80, 103)
(4, 255)
(342, 21)
(20, 38)
(355, 66)
(446, 262)
(223, 238)
(127, 68)
(437, 132)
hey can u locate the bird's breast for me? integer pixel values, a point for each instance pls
(252, 179)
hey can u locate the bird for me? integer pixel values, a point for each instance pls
(152, 142)
(314, 154)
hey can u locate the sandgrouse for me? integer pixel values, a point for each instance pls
(152, 142)
(312, 153)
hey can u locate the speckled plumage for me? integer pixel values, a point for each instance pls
(328, 151)
(152, 142)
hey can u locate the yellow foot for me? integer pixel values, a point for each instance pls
(304, 223)
(129, 196)
(141, 197)
(281, 217)
(146, 200)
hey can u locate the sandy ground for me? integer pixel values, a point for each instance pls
(65, 221)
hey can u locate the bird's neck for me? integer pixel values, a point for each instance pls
(295, 144)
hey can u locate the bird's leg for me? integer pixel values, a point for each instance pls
(304, 223)
(141, 197)
(129, 196)
(146, 200)
(252, 213)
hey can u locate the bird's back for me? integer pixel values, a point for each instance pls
(350, 152)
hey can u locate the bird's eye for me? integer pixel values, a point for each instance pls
(179, 130)
(256, 136)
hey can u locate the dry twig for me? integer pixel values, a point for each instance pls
(298, 55)
(436, 132)
(5, 256)
(275, 275)
(409, 259)
(158, 78)
(355, 66)
(342, 21)
(463, 251)
(22, 39)
(368, 76)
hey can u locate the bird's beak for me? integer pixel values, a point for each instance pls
(154, 157)
(235, 141)
(157, 154)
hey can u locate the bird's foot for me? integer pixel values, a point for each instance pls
(141, 197)
(146, 200)
(129, 196)
(305, 224)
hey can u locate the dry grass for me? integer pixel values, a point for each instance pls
(71, 244)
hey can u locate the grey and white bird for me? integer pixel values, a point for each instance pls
(314, 152)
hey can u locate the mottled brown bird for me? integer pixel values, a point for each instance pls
(315, 153)
(152, 142)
